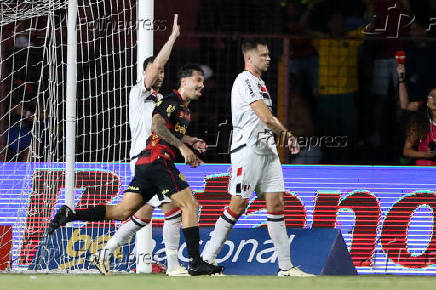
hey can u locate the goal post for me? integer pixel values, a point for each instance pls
(65, 101)
(145, 12)
(70, 115)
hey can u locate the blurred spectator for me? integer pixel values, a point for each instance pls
(304, 59)
(300, 118)
(338, 84)
(386, 28)
(420, 141)
(421, 133)
(21, 121)
(421, 61)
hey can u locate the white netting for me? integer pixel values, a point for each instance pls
(33, 38)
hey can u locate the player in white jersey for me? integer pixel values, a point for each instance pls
(255, 162)
(142, 100)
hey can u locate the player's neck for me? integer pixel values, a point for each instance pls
(253, 71)
(186, 100)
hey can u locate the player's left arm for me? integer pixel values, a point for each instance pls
(274, 124)
(158, 126)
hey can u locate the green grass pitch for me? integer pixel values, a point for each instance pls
(159, 281)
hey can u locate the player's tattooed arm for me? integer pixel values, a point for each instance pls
(158, 126)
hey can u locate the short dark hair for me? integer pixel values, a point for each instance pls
(186, 71)
(147, 61)
(252, 43)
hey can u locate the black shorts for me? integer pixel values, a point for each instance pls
(160, 177)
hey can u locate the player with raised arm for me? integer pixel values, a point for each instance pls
(255, 162)
(142, 100)
(155, 172)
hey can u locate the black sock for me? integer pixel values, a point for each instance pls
(91, 214)
(192, 237)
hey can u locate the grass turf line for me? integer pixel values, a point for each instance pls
(156, 282)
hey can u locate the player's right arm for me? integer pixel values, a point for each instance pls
(405, 104)
(158, 126)
(152, 72)
(265, 115)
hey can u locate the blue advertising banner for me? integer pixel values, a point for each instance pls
(246, 252)
(384, 213)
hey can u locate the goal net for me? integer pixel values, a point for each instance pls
(33, 46)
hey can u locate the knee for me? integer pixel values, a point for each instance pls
(191, 205)
(125, 214)
(238, 207)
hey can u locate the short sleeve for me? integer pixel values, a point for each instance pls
(166, 108)
(251, 91)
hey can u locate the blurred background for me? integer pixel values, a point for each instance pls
(333, 76)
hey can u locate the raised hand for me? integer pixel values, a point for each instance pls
(176, 28)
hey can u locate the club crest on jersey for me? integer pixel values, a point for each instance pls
(184, 115)
(264, 90)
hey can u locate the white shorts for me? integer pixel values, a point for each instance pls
(154, 201)
(253, 172)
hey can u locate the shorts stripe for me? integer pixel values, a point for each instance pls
(174, 217)
(172, 176)
(172, 211)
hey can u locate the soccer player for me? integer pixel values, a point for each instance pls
(142, 100)
(155, 172)
(255, 162)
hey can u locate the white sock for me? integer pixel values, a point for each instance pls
(277, 231)
(223, 226)
(122, 235)
(171, 237)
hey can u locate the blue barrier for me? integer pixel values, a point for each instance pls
(247, 251)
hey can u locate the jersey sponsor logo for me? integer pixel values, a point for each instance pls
(180, 129)
(134, 188)
(170, 109)
(250, 89)
(165, 191)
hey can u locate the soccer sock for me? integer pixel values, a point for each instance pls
(223, 226)
(91, 214)
(171, 237)
(122, 235)
(192, 237)
(277, 231)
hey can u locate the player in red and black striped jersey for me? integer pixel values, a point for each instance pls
(155, 169)
(177, 117)
(155, 172)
